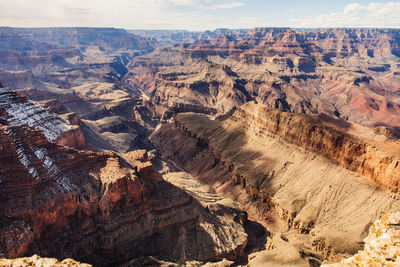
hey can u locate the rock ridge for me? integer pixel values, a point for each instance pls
(254, 157)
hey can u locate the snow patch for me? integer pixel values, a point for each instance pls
(54, 172)
(23, 155)
(31, 115)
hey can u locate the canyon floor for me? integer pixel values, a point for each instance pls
(262, 147)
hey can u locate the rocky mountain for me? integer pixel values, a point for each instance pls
(98, 207)
(42, 39)
(169, 38)
(315, 188)
(65, 57)
(347, 73)
(261, 147)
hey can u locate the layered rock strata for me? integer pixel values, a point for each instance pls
(319, 186)
(96, 207)
(100, 208)
(17, 110)
(346, 73)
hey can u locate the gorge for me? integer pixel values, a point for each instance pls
(260, 147)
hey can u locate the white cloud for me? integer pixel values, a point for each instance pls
(229, 5)
(183, 2)
(130, 14)
(294, 10)
(181, 14)
(355, 15)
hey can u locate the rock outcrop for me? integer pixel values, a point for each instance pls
(320, 187)
(36, 261)
(97, 207)
(381, 245)
(18, 110)
(345, 73)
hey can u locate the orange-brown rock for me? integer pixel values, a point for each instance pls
(319, 186)
(36, 261)
(15, 109)
(99, 208)
(96, 207)
(346, 73)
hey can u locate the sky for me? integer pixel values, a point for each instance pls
(199, 15)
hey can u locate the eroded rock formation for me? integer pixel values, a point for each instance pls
(381, 245)
(36, 261)
(97, 207)
(17, 110)
(346, 73)
(319, 186)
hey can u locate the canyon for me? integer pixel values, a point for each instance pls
(100, 207)
(260, 147)
(290, 171)
(347, 73)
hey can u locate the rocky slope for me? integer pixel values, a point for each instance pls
(97, 207)
(17, 110)
(109, 118)
(381, 245)
(347, 73)
(50, 58)
(318, 186)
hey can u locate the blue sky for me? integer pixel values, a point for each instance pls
(199, 14)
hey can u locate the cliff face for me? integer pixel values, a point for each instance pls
(100, 208)
(347, 73)
(290, 172)
(17, 110)
(49, 58)
(373, 160)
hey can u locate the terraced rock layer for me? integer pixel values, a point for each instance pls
(98, 208)
(17, 110)
(347, 73)
(318, 186)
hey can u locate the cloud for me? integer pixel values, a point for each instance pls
(207, 4)
(183, 2)
(130, 14)
(183, 14)
(230, 5)
(382, 15)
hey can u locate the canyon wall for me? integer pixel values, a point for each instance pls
(101, 209)
(374, 160)
(97, 207)
(316, 185)
(60, 58)
(351, 74)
